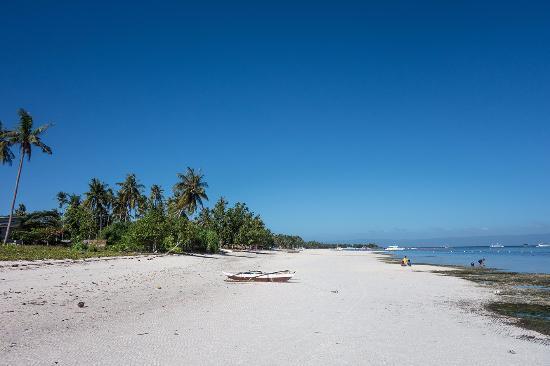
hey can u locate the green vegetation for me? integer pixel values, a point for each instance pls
(498, 278)
(36, 252)
(319, 245)
(189, 192)
(530, 316)
(6, 155)
(145, 224)
(128, 219)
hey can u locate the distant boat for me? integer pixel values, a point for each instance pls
(543, 245)
(394, 247)
(497, 245)
(259, 276)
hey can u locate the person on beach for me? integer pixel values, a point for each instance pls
(472, 264)
(481, 262)
(405, 262)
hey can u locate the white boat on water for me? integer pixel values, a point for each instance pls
(394, 247)
(497, 245)
(543, 245)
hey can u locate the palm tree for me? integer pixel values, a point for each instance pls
(25, 137)
(74, 200)
(62, 199)
(129, 197)
(6, 156)
(190, 191)
(156, 200)
(97, 200)
(111, 201)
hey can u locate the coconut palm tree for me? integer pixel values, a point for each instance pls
(97, 200)
(6, 155)
(190, 191)
(111, 200)
(74, 200)
(156, 199)
(62, 199)
(129, 197)
(26, 138)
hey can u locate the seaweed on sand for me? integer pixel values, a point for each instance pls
(525, 297)
(530, 316)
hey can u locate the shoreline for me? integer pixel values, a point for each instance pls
(341, 308)
(524, 298)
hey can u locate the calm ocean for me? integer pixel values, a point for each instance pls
(529, 259)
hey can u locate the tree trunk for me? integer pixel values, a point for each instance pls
(14, 197)
(100, 222)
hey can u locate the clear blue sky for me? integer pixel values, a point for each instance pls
(333, 121)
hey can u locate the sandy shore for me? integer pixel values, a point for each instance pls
(343, 308)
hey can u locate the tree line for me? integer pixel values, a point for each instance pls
(133, 219)
(128, 217)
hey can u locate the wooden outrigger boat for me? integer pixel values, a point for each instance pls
(259, 276)
(293, 250)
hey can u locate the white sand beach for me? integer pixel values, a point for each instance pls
(342, 308)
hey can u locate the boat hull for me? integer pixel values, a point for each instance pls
(259, 279)
(253, 277)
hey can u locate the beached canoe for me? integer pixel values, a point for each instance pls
(259, 276)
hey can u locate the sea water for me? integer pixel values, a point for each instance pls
(527, 259)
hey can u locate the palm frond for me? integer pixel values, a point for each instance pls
(45, 148)
(6, 155)
(41, 129)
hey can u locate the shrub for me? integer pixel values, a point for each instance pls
(147, 233)
(212, 241)
(170, 244)
(189, 235)
(114, 232)
(80, 247)
(39, 235)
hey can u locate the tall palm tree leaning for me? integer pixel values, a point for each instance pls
(190, 191)
(26, 138)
